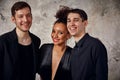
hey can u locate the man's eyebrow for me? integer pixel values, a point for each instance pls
(73, 18)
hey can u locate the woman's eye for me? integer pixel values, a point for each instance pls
(60, 32)
(53, 31)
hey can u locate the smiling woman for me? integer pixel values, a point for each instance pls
(59, 34)
(55, 57)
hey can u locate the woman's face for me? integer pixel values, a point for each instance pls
(59, 34)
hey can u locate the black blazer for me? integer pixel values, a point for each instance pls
(9, 54)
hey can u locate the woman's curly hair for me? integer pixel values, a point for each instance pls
(61, 14)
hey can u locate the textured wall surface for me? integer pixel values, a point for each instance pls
(104, 21)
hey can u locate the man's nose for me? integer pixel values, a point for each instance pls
(72, 23)
(25, 18)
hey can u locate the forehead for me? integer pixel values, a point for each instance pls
(60, 26)
(73, 16)
(25, 10)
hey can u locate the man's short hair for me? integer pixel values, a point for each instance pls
(19, 5)
(81, 12)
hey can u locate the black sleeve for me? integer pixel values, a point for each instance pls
(1, 59)
(40, 57)
(101, 61)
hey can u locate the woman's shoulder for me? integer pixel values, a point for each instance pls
(46, 45)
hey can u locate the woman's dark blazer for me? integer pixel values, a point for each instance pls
(63, 71)
(9, 54)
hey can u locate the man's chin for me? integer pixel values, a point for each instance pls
(25, 30)
(72, 34)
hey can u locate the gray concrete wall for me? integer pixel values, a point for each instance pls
(104, 21)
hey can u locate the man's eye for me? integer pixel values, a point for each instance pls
(76, 20)
(68, 20)
(29, 15)
(20, 16)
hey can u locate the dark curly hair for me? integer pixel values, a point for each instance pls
(61, 14)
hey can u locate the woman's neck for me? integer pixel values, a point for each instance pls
(60, 47)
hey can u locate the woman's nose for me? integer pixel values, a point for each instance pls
(55, 35)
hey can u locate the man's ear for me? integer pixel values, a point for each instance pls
(12, 18)
(85, 23)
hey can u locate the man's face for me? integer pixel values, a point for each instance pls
(75, 25)
(23, 19)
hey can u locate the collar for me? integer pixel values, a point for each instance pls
(13, 34)
(82, 40)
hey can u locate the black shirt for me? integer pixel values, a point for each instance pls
(89, 60)
(24, 68)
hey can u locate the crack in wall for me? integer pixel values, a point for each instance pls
(2, 17)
